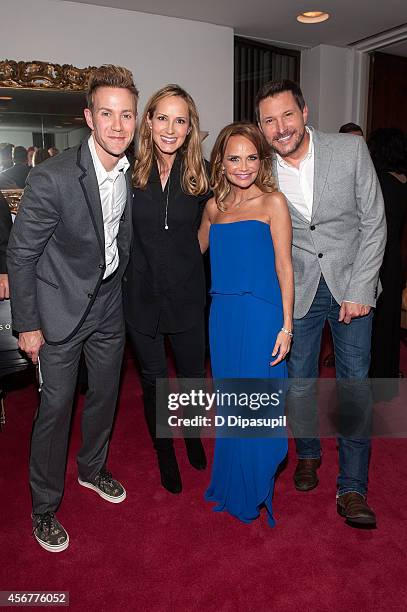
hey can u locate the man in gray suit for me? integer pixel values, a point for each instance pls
(339, 235)
(67, 253)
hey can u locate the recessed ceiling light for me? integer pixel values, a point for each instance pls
(313, 17)
(6, 98)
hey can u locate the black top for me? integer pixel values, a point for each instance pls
(6, 224)
(165, 282)
(395, 204)
(385, 353)
(14, 177)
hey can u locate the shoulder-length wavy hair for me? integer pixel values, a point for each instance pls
(194, 180)
(219, 183)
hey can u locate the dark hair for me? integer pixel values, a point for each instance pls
(20, 154)
(110, 76)
(388, 148)
(219, 183)
(273, 88)
(39, 156)
(348, 128)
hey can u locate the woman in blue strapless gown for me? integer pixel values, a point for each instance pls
(248, 229)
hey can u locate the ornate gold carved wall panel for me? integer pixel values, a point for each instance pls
(43, 75)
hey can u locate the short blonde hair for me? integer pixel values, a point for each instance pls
(109, 75)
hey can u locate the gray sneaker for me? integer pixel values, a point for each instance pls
(106, 486)
(49, 532)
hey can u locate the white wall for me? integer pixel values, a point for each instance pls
(158, 50)
(18, 137)
(310, 83)
(74, 137)
(334, 82)
(23, 137)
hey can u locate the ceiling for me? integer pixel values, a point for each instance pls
(275, 20)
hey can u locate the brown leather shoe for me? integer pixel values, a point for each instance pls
(305, 475)
(355, 509)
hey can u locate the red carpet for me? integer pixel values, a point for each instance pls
(159, 552)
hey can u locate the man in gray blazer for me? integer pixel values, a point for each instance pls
(339, 235)
(67, 253)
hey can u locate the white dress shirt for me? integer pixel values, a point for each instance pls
(297, 184)
(113, 195)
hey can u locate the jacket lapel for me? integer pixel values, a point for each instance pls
(322, 162)
(293, 211)
(91, 193)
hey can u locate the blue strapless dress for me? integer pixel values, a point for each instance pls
(246, 316)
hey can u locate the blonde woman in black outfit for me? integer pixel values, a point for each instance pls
(165, 284)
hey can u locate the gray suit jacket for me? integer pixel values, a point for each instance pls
(56, 252)
(346, 237)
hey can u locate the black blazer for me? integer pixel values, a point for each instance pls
(165, 280)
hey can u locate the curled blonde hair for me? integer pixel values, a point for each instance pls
(219, 183)
(194, 180)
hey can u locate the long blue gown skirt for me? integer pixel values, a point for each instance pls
(246, 316)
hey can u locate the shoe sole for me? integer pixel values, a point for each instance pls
(109, 498)
(198, 466)
(359, 520)
(53, 549)
(174, 490)
(303, 490)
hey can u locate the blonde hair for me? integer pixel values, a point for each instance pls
(194, 180)
(219, 183)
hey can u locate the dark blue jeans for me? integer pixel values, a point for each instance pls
(352, 360)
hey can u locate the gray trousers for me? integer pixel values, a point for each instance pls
(101, 338)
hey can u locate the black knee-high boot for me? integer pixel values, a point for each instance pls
(195, 449)
(164, 447)
(196, 453)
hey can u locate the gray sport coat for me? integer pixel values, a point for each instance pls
(56, 252)
(346, 236)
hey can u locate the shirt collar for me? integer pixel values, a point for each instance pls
(309, 155)
(154, 173)
(101, 173)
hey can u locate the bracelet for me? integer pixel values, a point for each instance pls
(287, 331)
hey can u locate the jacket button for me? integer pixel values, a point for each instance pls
(90, 295)
(101, 266)
(320, 255)
(312, 228)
